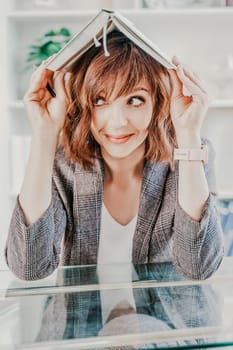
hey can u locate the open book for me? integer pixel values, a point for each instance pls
(103, 23)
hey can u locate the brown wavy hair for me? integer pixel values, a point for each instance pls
(95, 74)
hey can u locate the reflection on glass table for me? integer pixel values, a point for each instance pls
(137, 307)
(80, 278)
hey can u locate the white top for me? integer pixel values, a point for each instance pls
(115, 247)
(116, 240)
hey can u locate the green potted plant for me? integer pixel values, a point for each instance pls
(43, 47)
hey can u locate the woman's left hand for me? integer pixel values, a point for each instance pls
(187, 112)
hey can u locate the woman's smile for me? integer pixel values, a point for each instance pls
(118, 139)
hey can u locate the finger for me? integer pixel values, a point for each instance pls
(194, 77)
(176, 61)
(47, 62)
(196, 93)
(43, 65)
(40, 78)
(190, 73)
(37, 91)
(59, 83)
(177, 86)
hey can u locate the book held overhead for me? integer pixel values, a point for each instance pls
(98, 28)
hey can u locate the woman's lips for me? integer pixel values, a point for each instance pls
(118, 139)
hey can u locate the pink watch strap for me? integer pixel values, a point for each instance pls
(200, 154)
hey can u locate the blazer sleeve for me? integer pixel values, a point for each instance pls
(32, 252)
(198, 247)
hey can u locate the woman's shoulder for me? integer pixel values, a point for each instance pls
(64, 168)
(62, 161)
(63, 165)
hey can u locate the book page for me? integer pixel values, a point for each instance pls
(128, 29)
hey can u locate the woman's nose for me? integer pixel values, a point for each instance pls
(117, 117)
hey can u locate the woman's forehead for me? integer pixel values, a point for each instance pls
(122, 85)
(139, 88)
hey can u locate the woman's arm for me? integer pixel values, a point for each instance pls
(33, 252)
(188, 113)
(36, 192)
(193, 188)
(198, 245)
(198, 239)
(39, 219)
(47, 115)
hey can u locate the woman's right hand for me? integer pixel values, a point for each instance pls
(46, 113)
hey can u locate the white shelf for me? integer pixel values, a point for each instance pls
(184, 11)
(20, 16)
(225, 195)
(18, 104)
(142, 11)
(226, 103)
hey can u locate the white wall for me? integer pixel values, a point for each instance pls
(4, 142)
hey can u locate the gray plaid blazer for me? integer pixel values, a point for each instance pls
(68, 231)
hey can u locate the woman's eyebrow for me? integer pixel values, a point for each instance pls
(140, 89)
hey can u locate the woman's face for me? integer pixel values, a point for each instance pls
(120, 125)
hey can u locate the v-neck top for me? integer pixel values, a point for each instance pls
(116, 240)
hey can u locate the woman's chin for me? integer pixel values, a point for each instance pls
(119, 152)
(118, 155)
(113, 152)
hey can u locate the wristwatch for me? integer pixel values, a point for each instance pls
(192, 154)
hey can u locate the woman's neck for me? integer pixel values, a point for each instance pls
(123, 170)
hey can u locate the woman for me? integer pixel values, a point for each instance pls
(101, 183)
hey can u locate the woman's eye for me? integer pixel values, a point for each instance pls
(100, 101)
(136, 101)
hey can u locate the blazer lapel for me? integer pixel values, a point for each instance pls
(153, 182)
(88, 204)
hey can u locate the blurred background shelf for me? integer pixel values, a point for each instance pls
(227, 103)
(64, 13)
(225, 195)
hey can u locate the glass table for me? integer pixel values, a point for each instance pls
(117, 307)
